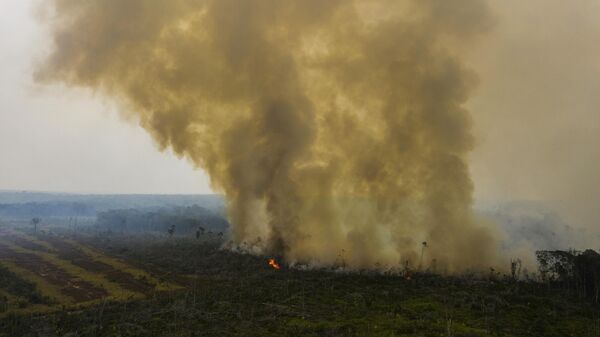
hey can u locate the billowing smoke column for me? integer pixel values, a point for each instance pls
(335, 128)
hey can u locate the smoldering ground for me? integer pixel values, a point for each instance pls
(334, 128)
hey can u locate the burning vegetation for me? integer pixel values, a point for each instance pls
(274, 264)
(220, 293)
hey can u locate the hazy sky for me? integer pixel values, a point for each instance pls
(536, 114)
(54, 139)
(537, 110)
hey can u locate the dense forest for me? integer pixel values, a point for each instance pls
(572, 270)
(177, 220)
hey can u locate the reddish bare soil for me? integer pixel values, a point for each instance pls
(74, 255)
(22, 242)
(69, 285)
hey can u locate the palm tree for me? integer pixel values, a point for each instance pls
(35, 222)
(423, 246)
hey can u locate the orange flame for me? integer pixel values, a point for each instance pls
(274, 264)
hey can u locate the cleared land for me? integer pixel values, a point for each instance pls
(66, 283)
(65, 273)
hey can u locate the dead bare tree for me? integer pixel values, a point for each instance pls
(515, 268)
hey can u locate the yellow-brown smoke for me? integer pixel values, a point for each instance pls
(336, 129)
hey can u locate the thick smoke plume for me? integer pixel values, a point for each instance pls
(336, 129)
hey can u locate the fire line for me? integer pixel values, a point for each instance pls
(274, 264)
